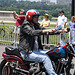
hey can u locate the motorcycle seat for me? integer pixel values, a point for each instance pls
(12, 51)
(15, 51)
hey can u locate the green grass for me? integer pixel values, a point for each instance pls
(4, 42)
(9, 23)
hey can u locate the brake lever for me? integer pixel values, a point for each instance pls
(47, 33)
(51, 32)
(68, 29)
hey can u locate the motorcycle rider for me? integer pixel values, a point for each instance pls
(30, 41)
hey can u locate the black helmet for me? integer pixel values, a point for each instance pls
(62, 11)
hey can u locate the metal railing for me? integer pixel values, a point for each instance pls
(50, 39)
(7, 35)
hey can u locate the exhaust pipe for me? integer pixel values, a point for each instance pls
(22, 70)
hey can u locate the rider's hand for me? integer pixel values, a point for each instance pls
(53, 30)
(44, 31)
(50, 30)
(67, 30)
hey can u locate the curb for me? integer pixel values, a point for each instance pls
(5, 44)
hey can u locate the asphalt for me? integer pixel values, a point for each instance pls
(2, 49)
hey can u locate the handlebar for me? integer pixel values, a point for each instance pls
(50, 33)
(57, 32)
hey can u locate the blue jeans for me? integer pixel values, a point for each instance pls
(40, 56)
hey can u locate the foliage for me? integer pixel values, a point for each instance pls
(52, 10)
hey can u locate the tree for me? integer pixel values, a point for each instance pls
(52, 10)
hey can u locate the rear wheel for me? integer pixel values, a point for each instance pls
(7, 69)
(4, 69)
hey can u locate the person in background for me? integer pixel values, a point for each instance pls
(46, 21)
(19, 21)
(72, 22)
(72, 26)
(61, 20)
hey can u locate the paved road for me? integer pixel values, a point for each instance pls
(2, 48)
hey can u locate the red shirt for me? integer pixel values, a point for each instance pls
(20, 20)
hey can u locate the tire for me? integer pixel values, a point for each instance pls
(2, 68)
(5, 69)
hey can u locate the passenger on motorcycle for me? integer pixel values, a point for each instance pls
(30, 41)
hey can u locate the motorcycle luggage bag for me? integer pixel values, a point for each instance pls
(12, 51)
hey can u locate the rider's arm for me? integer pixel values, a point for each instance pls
(65, 30)
(48, 30)
(28, 30)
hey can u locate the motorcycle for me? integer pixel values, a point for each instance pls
(61, 56)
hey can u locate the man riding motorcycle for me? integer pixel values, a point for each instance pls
(30, 42)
